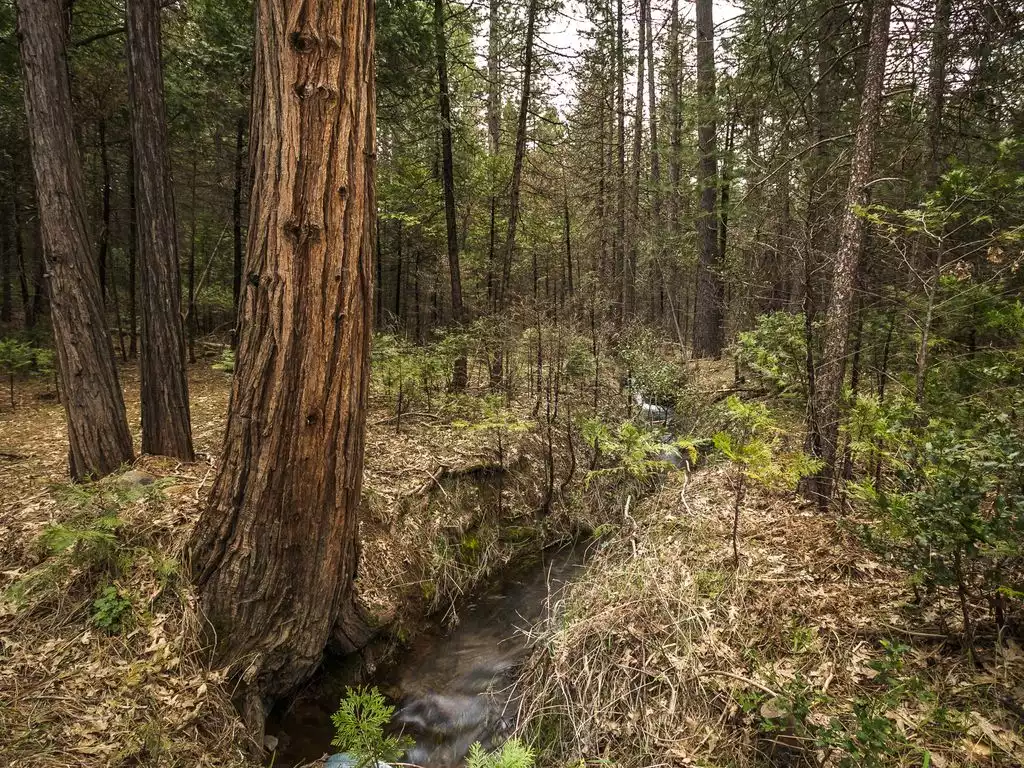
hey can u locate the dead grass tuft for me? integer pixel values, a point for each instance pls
(663, 654)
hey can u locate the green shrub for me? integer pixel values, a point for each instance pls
(776, 352)
(111, 610)
(359, 728)
(512, 754)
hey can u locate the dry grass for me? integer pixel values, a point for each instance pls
(664, 654)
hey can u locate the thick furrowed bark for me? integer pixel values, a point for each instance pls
(274, 553)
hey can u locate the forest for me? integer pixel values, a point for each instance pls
(518, 384)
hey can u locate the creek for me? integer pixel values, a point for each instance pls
(452, 687)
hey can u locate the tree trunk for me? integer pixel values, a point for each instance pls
(520, 155)
(166, 425)
(493, 143)
(193, 324)
(619, 250)
(29, 319)
(274, 553)
(236, 228)
(638, 144)
(832, 368)
(133, 268)
(97, 428)
(460, 373)
(6, 268)
(708, 321)
(105, 232)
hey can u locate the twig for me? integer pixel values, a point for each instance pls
(747, 680)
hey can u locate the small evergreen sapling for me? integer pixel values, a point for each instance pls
(359, 728)
(753, 445)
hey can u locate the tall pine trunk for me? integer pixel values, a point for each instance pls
(166, 424)
(832, 368)
(459, 373)
(97, 427)
(290, 476)
(520, 154)
(638, 144)
(709, 314)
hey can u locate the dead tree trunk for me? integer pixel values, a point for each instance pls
(274, 553)
(709, 314)
(832, 369)
(166, 425)
(97, 428)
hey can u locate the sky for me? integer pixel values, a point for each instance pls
(565, 34)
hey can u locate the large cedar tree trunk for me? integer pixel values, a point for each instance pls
(97, 428)
(709, 314)
(274, 552)
(166, 426)
(832, 369)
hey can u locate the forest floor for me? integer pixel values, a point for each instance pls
(99, 634)
(810, 652)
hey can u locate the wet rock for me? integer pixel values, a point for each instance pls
(345, 760)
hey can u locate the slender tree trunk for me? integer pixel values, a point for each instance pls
(29, 317)
(290, 477)
(567, 232)
(166, 424)
(133, 268)
(638, 144)
(6, 269)
(832, 366)
(493, 144)
(193, 325)
(236, 228)
(520, 155)
(709, 316)
(105, 232)
(460, 372)
(97, 428)
(657, 274)
(619, 250)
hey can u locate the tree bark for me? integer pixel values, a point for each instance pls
(236, 227)
(709, 314)
(460, 372)
(619, 249)
(104, 248)
(520, 155)
(638, 144)
(97, 427)
(274, 552)
(493, 142)
(133, 265)
(166, 424)
(832, 368)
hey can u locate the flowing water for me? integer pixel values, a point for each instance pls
(454, 687)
